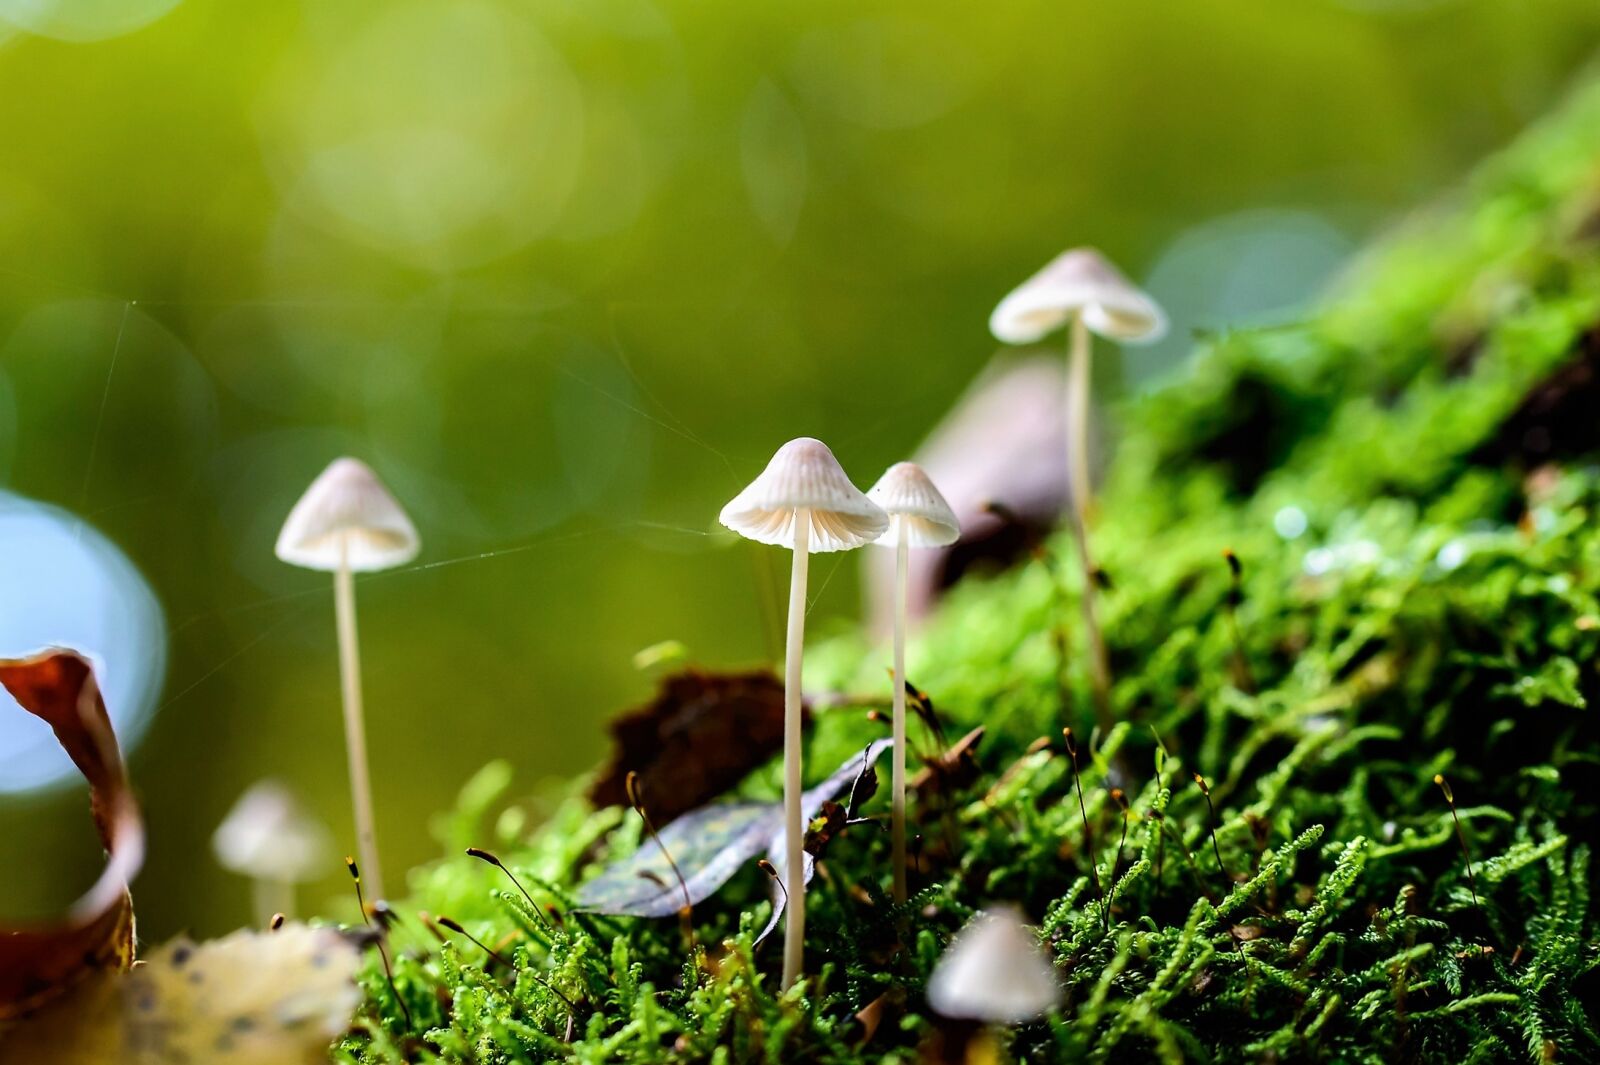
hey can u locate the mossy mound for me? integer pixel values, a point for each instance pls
(1405, 478)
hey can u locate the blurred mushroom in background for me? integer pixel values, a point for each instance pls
(270, 838)
(1003, 443)
(995, 972)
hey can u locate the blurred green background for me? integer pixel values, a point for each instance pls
(566, 273)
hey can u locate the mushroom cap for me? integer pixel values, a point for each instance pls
(908, 495)
(994, 971)
(1079, 281)
(804, 475)
(347, 509)
(267, 835)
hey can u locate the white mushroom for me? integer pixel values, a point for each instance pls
(269, 838)
(802, 501)
(348, 522)
(1079, 283)
(1083, 291)
(918, 517)
(994, 971)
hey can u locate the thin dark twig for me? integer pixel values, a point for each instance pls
(922, 706)
(1211, 826)
(636, 799)
(572, 1008)
(456, 927)
(383, 952)
(1088, 835)
(1241, 664)
(772, 871)
(1121, 800)
(1449, 797)
(494, 860)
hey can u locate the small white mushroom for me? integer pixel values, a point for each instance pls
(802, 501)
(918, 517)
(1078, 284)
(994, 971)
(347, 522)
(1082, 290)
(269, 837)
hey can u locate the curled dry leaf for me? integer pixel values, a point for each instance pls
(251, 998)
(954, 768)
(710, 845)
(700, 735)
(871, 1016)
(36, 963)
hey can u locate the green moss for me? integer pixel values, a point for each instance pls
(1413, 603)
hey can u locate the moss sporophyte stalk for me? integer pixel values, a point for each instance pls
(1416, 520)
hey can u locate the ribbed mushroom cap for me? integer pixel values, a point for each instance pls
(804, 475)
(268, 836)
(908, 495)
(1079, 281)
(347, 509)
(994, 971)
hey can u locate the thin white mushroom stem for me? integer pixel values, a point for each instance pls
(897, 817)
(1079, 356)
(272, 896)
(355, 731)
(1077, 435)
(794, 928)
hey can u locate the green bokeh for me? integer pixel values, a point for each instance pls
(566, 273)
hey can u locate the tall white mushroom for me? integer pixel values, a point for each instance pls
(995, 972)
(802, 501)
(1080, 289)
(918, 517)
(347, 523)
(271, 839)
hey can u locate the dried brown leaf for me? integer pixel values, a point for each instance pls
(39, 962)
(700, 735)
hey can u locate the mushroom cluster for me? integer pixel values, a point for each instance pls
(805, 501)
(347, 522)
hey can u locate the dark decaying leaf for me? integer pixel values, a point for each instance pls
(700, 735)
(709, 845)
(829, 823)
(954, 768)
(38, 962)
